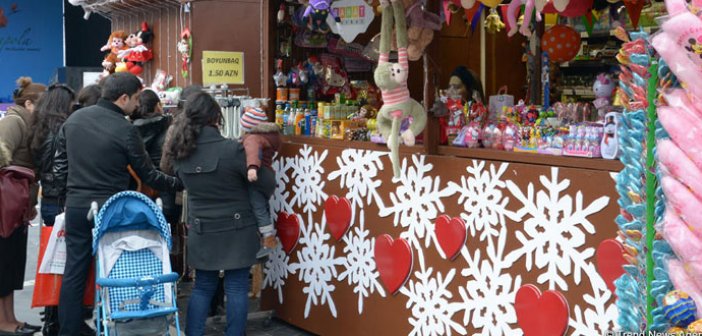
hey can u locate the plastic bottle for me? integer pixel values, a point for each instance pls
(279, 116)
(299, 116)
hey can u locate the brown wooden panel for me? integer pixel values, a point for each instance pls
(543, 204)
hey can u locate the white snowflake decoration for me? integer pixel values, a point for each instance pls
(481, 196)
(553, 230)
(276, 270)
(416, 202)
(360, 270)
(603, 314)
(307, 172)
(317, 267)
(279, 201)
(358, 170)
(427, 297)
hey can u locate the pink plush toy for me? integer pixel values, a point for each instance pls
(684, 129)
(513, 14)
(603, 88)
(676, 164)
(682, 281)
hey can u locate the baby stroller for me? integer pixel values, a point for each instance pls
(136, 290)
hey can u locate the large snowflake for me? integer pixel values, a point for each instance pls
(358, 171)
(279, 201)
(554, 230)
(317, 267)
(307, 172)
(487, 299)
(427, 297)
(276, 271)
(360, 270)
(416, 202)
(594, 322)
(482, 199)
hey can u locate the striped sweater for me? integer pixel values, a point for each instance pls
(400, 94)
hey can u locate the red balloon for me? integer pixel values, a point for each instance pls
(575, 8)
(562, 43)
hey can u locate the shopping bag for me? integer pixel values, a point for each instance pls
(47, 287)
(498, 102)
(54, 260)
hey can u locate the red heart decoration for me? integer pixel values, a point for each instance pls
(541, 315)
(393, 259)
(610, 259)
(288, 230)
(338, 212)
(451, 234)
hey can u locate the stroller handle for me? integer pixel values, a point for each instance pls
(93, 211)
(137, 282)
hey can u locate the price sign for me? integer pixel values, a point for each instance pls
(222, 67)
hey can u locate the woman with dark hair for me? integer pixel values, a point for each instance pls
(466, 83)
(152, 125)
(222, 224)
(89, 95)
(15, 137)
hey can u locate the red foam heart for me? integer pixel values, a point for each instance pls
(451, 234)
(393, 259)
(288, 230)
(541, 315)
(610, 259)
(338, 213)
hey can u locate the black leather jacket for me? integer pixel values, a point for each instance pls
(94, 147)
(44, 163)
(153, 132)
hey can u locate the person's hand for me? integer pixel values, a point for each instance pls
(270, 242)
(253, 176)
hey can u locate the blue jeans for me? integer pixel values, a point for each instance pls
(260, 206)
(49, 210)
(236, 288)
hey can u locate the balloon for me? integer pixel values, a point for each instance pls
(562, 43)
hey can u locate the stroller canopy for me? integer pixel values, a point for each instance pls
(130, 210)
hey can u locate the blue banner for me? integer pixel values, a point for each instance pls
(31, 41)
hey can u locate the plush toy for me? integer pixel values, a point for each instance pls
(115, 44)
(603, 88)
(139, 52)
(279, 77)
(391, 78)
(185, 46)
(493, 23)
(316, 14)
(422, 25)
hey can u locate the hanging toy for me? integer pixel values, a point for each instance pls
(302, 73)
(115, 44)
(316, 14)
(185, 46)
(279, 77)
(281, 14)
(493, 23)
(391, 78)
(139, 52)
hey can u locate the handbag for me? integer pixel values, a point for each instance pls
(47, 287)
(15, 184)
(498, 102)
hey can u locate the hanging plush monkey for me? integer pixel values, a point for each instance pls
(391, 78)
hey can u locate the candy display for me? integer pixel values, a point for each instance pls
(679, 308)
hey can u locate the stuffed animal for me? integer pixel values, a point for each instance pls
(138, 52)
(603, 88)
(422, 25)
(316, 14)
(391, 78)
(513, 14)
(115, 44)
(493, 23)
(185, 46)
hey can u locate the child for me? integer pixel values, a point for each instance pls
(261, 140)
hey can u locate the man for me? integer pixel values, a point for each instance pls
(95, 146)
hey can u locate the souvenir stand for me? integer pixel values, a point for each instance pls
(502, 217)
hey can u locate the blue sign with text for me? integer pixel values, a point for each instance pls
(31, 41)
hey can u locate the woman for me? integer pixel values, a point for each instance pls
(223, 234)
(152, 124)
(88, 96)
(15, 136)
(53, 108)
(466, 83)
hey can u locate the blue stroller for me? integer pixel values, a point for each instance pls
(136, 290)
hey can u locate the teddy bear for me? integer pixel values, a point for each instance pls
(391, 78)
(422, 25)
(116, 43)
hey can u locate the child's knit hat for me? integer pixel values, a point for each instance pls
(252, 117)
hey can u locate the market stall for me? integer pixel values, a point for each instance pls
(519, 206)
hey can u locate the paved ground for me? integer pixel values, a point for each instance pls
(259, 322)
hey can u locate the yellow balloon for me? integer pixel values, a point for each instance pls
(491, 3)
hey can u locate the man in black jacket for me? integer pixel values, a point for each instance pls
(95, 146)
